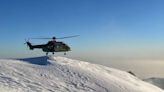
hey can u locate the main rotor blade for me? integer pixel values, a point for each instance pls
(68, 37)
(41, 38)
(55, 38)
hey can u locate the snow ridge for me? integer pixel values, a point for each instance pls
(59, 74)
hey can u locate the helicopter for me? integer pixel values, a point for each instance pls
(52, 45)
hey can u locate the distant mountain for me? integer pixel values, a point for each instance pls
(59, 74)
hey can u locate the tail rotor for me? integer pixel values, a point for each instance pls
(28, 44)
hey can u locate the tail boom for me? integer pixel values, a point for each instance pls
(30, 46)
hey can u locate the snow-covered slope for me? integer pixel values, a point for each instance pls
(156, 81)
(59, 74)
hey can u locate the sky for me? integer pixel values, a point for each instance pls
(108, 29)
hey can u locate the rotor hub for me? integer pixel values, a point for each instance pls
(53, 38)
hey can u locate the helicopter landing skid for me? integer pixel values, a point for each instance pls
(54, 53)
(47, 53)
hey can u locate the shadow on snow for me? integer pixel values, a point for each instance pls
(43, 60)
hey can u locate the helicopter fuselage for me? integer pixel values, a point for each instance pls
(51, 46)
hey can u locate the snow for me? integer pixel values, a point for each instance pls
(60, 74)
(156, 81)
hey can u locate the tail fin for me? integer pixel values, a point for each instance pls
(30, 46)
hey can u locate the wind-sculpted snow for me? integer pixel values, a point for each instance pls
(60, 74)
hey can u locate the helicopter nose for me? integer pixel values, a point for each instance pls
(68, 48)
